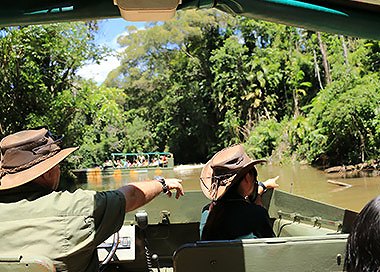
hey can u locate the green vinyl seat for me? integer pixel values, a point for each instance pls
(23, 263)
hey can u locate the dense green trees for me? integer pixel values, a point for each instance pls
(196, 84)
(38, 63)
(346, 116)
(340, 125)
(217, 80)
(284, 91)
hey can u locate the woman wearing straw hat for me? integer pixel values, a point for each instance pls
(65, 227)
(229, 179)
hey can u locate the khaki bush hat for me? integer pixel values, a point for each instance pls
(224, 169)
(28, 154)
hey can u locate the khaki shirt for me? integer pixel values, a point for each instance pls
(65, 227)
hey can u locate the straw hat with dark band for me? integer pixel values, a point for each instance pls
(224, 169)
(28, 154)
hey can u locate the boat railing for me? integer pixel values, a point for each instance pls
(316, 221)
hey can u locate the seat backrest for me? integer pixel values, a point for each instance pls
(316, 253)
(26, 264)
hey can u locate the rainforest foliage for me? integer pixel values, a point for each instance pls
(194, 85)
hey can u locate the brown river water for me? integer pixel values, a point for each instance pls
(301, 180)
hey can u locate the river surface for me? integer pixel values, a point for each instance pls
(299, 179)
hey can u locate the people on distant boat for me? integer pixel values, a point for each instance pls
(108, 164)
(145, 163)
(122, 163)
(163, 161)
(118, 164)
(141, 159)
(138, 161)
(229, 179)
(363, 243)
(127, 164)
(155, 162)
(65, 227)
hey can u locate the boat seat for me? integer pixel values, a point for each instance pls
(23, 263)
(316, 253)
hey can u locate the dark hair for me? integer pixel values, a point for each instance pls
(216, 211)
(363, 245)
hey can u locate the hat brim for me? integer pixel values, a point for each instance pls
(206, 178)
(14, 180)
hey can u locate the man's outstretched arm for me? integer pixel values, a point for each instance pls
(138, 194)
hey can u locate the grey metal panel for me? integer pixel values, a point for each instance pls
(286, 202)
(187, 209)
(318, 253)
(26, 264)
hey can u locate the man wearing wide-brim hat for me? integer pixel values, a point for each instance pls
(63, 226)
(229, 180)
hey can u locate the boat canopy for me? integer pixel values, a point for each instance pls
(359, 18)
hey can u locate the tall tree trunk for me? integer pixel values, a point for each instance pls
(324, 59)
(345, 52)
(316, 69)
(296, 108)
(362, 147)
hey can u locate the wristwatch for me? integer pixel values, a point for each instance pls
(160, 179)
(263, 186)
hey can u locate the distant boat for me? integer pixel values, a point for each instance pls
(126, 162)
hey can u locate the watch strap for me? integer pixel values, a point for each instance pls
(263, 186)
(165, 187)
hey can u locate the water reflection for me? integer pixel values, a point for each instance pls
(98, 180)
(299, 179)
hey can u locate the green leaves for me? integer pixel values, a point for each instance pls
(39, 63)
(224, 80)
(346, 117)
(194, 85)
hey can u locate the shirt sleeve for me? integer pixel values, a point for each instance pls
(109, 214)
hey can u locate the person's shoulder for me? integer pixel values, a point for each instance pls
(76, 202)
(78, 193)
(258, 209)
